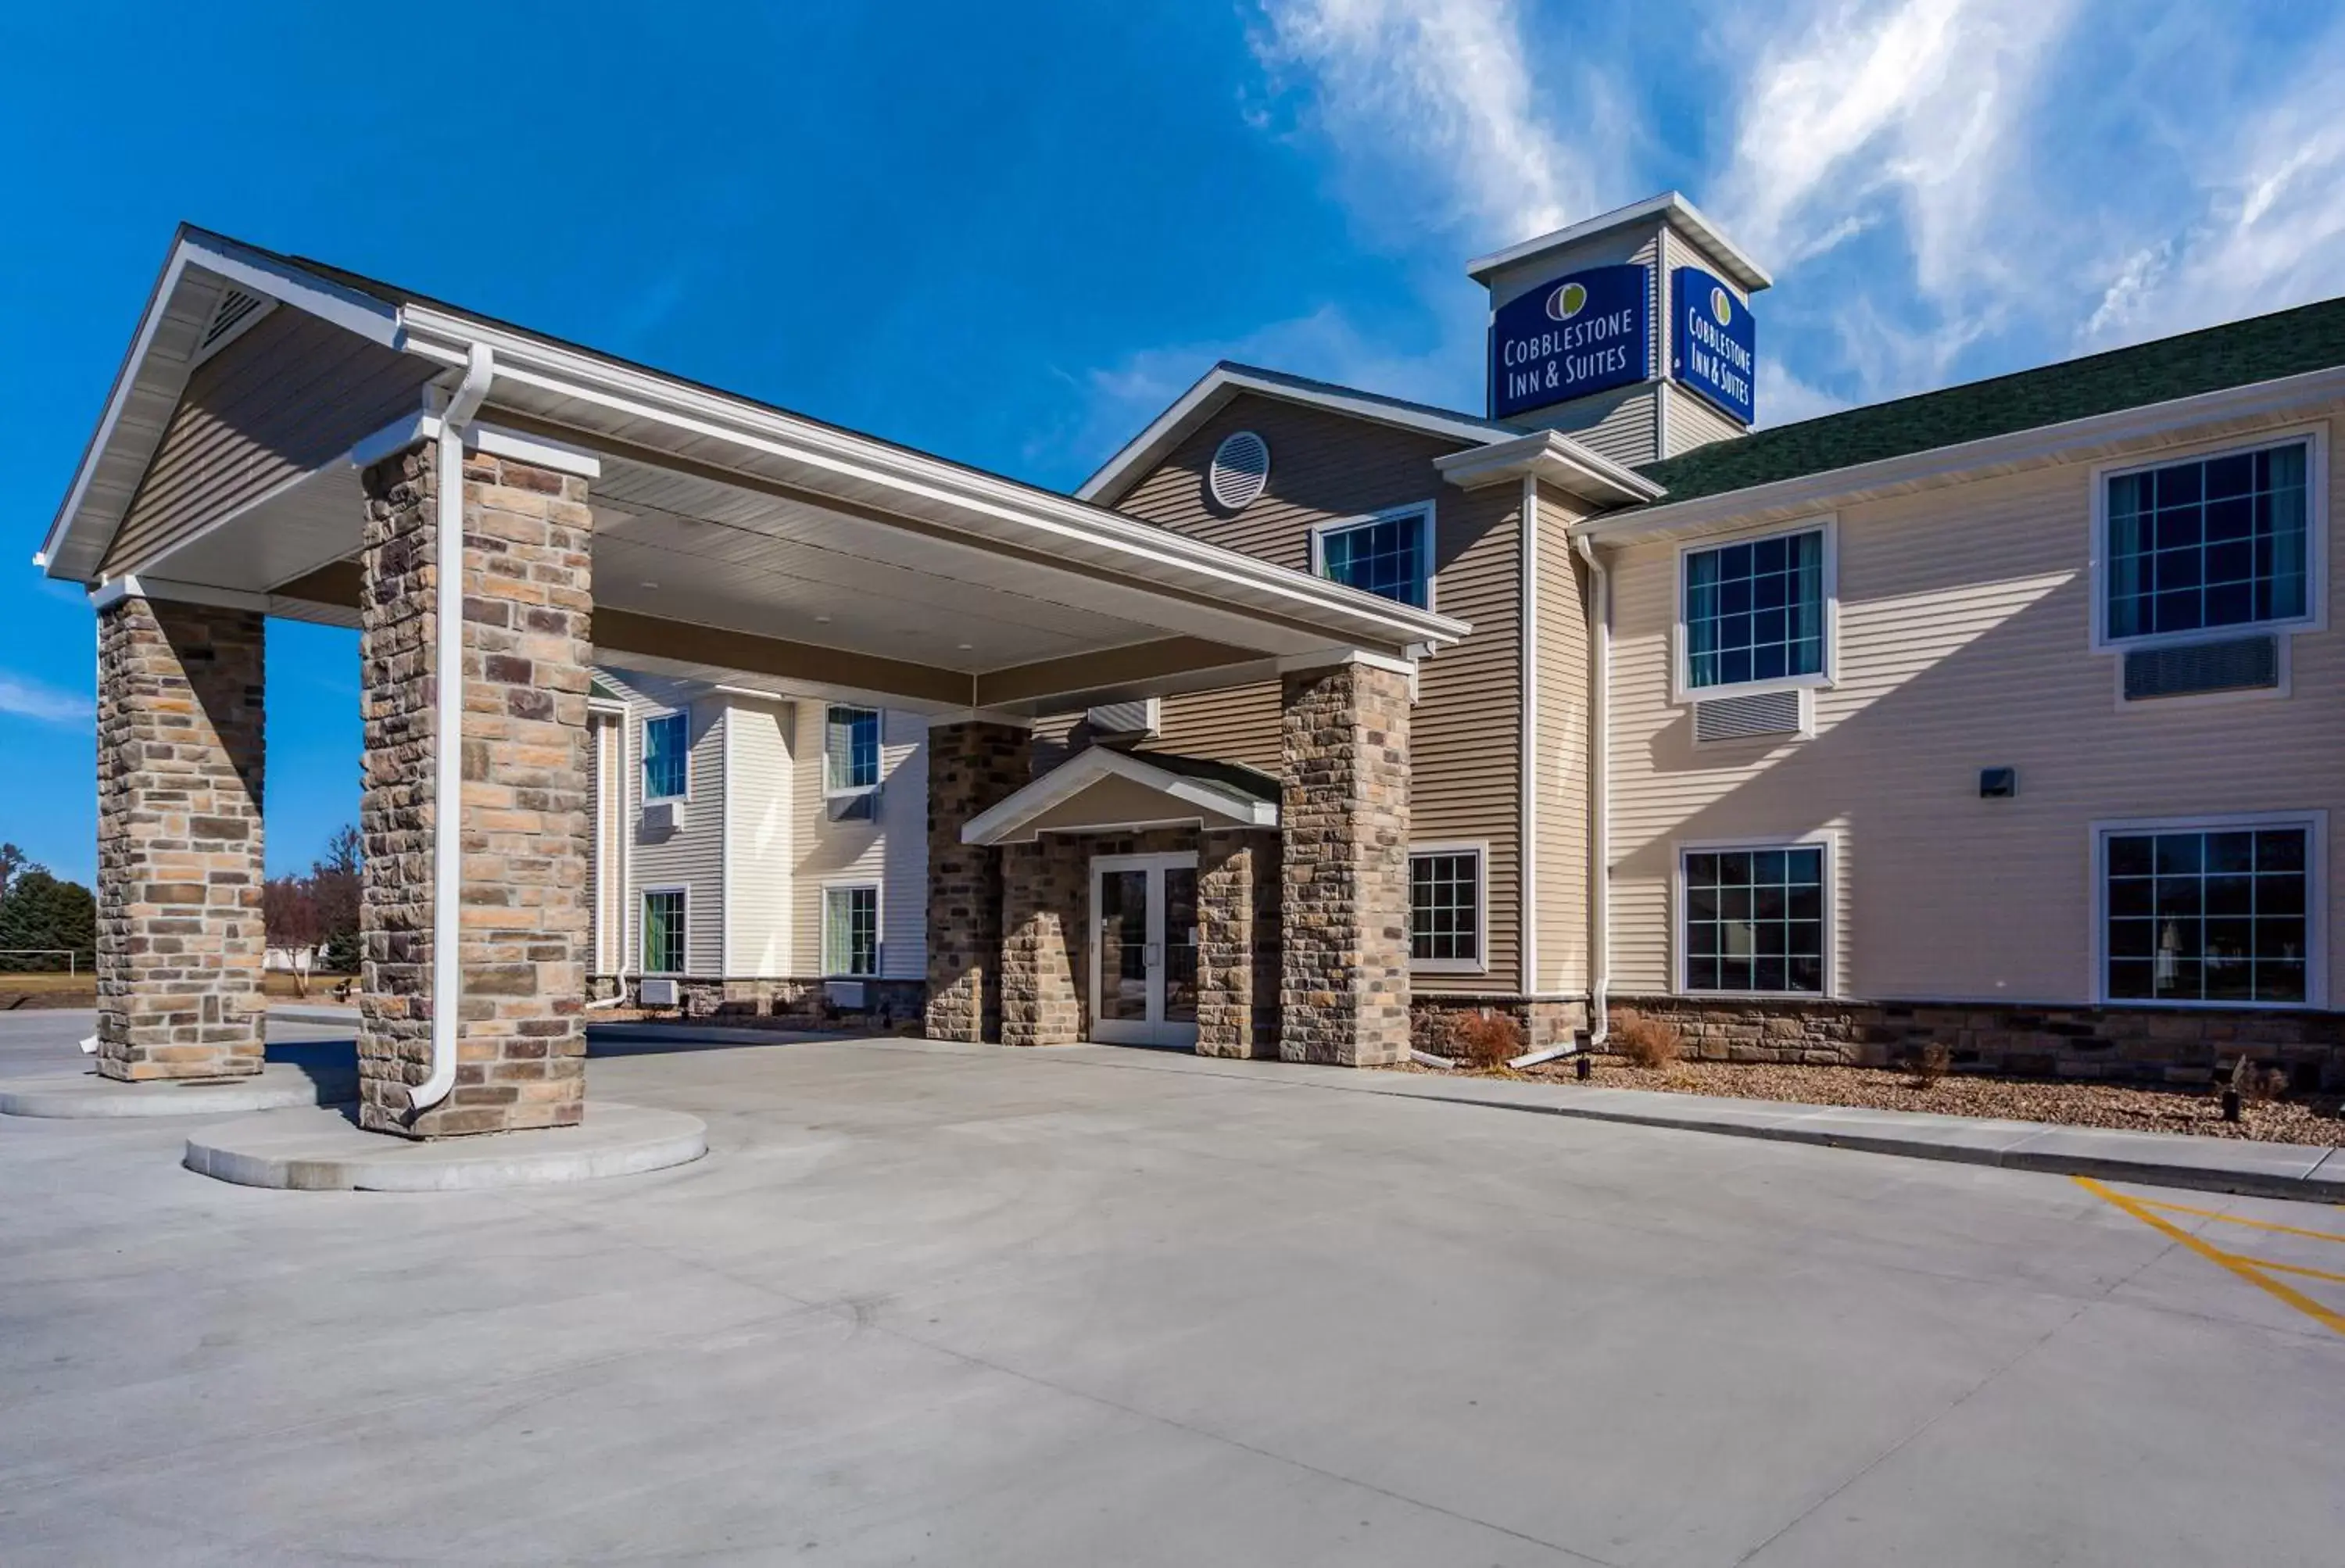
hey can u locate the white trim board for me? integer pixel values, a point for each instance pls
(1216, 802)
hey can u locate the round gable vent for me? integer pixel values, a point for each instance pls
(1241, 467)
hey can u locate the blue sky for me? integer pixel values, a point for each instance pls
(1011, 233)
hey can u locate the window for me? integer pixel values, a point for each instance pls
(850, 929)
(1754, 920)
(2215, 913)
(1389, 556)
(1445, 907)
(1754, 611)
(667, 751)
(664, 922)
(850, 751)
(2214, 542)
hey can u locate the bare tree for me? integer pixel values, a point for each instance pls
(289, 914)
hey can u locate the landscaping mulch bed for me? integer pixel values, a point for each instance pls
(2067, 1102)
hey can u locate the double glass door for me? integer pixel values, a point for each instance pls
(1145, 950)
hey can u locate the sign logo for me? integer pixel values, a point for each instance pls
(1714, 343)
(1585, 333)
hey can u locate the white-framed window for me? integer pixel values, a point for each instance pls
(1755, 918)
(2212, 912)
(667, 755)
(850, 929)
(1449, 913)
(1758, 613)
(1389, 554)
(667, 915)
(850, 751)
(2210, 542)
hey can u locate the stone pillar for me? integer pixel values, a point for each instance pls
(528, 600)
(1343, 825)
(1237, 944)
(180, 944)
(972, 766)
(1043, 899)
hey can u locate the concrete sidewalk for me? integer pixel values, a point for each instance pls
(2301, 1171)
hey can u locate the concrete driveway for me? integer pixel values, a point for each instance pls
(959, 1304)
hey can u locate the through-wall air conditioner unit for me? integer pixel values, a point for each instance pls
(657, 994)
(1138, 720)
(663, 816)
(1752, 715)
(2234, 663)
(854, 805)
(845, 994)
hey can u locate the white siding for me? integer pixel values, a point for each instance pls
(693, 858)
(891, 851)
(758, 834)
(1964, 632)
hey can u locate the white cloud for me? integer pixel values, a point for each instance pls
(1786, 399)
(1917, 106)
(31, 699)
(1432, 109)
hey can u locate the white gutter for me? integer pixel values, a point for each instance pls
(1600, 881)
(448, 729)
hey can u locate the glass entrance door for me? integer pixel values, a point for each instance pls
(1143, 950)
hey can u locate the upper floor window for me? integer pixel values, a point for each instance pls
(1754, 610)
(1390, 556)
(2213, 541)
(850, 750)
(667, 749)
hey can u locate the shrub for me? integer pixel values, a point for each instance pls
(1929, 1062)
(1647, 1043)
(1486, 1040)
(2254, 1083)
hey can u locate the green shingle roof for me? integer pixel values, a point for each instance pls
(2262, 348)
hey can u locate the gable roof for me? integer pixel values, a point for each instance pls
(1226, 381)
(1223, 793)
(2235, 354)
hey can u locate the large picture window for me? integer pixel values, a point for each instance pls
(667, 751)
(1754, 611)
(850, 750)
(1444, 906)
(1390, 556)
(2217, 914)
(664, 931)
(1754, 920)
(850, 930)
(2214, 542)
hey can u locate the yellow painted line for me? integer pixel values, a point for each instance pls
(2290, 1267)
(2241, 1219)
(2333, 1321)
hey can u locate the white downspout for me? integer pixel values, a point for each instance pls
(447, 730)
(1600, 812)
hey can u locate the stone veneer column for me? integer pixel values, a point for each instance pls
(1343, 823)
(1043, 899)
(1237, 944)
(528, 600)
(180, 944)
(972, 766)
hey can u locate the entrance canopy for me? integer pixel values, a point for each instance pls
(732, 540)
(1100, 789)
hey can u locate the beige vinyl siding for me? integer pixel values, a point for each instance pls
(1466, 727)
(1965, 627)
(290, 395)
(759, 848)
(1691, 422)
(1562, 757)
(693, 858)
(890, 852)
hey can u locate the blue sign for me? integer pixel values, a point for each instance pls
(1570, 337)
(1714, 342)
